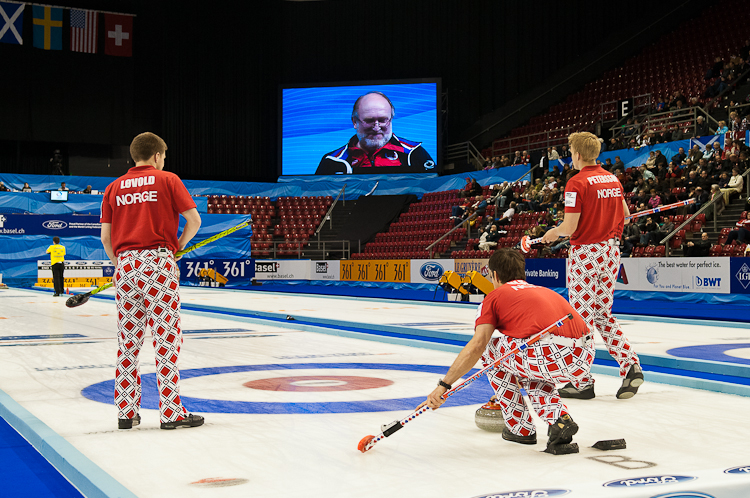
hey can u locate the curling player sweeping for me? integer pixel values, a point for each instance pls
(518, 310)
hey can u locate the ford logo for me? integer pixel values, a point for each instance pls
(647, 481)
(528, 493)
(54, 225)
(684, 494)
(431, 271)
(742, 469)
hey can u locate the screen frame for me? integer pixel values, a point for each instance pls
(62, 193)
(439, 111)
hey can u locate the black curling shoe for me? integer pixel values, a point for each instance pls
(190, 420)
(631, 382)
(128, 423)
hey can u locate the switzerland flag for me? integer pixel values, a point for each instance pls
(118, 35)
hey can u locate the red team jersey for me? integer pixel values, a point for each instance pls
(519, 309)
(144, 209)
(597, 195)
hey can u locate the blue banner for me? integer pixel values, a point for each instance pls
(546, 272)
(61, 225)
(739, 275)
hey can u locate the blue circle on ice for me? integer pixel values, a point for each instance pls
(478, 393)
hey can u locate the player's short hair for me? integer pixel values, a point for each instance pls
(586, 144)
(56, 240)
(508, 264)
(145, 145)
(355, 109)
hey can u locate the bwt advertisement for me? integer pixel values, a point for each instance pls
(704, 275)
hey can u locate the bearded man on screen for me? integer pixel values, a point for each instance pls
(374, 149)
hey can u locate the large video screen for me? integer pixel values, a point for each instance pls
(373, 128)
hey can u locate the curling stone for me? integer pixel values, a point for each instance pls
(490, 417)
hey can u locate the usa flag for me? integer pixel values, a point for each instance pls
(83, 31)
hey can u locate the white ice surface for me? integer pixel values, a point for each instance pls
(669, 430)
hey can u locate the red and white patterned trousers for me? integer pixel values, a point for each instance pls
(148, 294)
(537, 369)
(592, 274)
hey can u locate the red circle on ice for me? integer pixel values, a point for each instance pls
(318, 383)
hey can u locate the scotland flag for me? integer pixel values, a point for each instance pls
(11, 23)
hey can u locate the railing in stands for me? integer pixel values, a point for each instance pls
(474, 215)
(730, 88)
(661, 121)
(327, 216)
(703, 208)
(465, 151)
(323, 249)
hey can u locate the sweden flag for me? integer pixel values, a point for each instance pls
(48, 23)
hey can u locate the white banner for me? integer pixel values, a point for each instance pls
(282, 269)
(429, 271)
(77, 269)
(325, 270)
(708, 275)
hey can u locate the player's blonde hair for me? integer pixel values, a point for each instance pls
(585, 143)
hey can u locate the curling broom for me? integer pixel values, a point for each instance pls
(367, 442)
(80, 299)
(526, 242)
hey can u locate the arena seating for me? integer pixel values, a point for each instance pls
(678, 61)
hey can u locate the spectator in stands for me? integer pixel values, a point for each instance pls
(677, 134)
(654, 200)
(734, 187)
(564, 152)
(701, 197)
(722, 129)
(552, 154)
(704, 181)
(677, 100)
(715, 70)
(63, 187)
(619, 164)
(730, 147)
(563, 243)
(647, 226)
(518, 159)
(491, 239)
(526, 157)
(662, 137)
(631, 236)
(692, 180)
(672, 175)
(507, 217)
(665, 228)
(374, 148)
(738, 127)
(701, 127)
(87, 190)
(614, 144)
(695, 154)
(699, 248)
(26, 187)
(3, 188)
(742, 232)
(680, 156)
(645, 173)
(660, 158)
